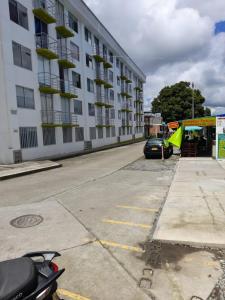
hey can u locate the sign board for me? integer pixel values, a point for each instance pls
(205, 121)
(172, 125)
(221, 146)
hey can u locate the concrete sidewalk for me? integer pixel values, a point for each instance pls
(15, 170)
(194, 211)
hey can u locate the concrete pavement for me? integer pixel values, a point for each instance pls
(194, 212)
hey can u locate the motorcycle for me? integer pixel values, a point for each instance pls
(31, 277)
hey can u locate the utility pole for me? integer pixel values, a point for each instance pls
(193, 103)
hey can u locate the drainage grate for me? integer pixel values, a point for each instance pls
(26, 221)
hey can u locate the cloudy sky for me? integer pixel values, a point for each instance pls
(171, 40)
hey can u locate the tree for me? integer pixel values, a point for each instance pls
(175, 102)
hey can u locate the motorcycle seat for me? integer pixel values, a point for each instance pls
(18, 278)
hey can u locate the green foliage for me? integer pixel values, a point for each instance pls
(175, 102)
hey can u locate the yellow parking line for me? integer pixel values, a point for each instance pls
(71, 295)
(138, 208)
(126, 223)
(121, 246)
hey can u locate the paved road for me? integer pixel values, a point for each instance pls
(99, 211)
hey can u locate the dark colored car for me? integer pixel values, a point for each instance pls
(153, 148)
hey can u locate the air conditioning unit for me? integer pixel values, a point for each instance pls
(87, 145)
(17, 156)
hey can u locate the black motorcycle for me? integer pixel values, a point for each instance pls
(31, 277)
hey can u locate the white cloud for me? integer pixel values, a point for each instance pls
(171, 40)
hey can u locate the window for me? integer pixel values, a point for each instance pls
(100, 133)
(25, 97)
(18, 14)
(119, 97)
(73, 23)
(113, 131)
(108, 129)
(76, 79)
(67, 135)
(90, 85)
(117, 63)
(112, 113)
(79, 134)
(111, 94)
(92, 133)
(110, 76)
(78, 107)
(48, 136)
(75, 52)
(88, 36)
(91, 109)
(111, 57)
(21, 56)
(89, 61)
(118, 80)
(119, 114)
(28, 137)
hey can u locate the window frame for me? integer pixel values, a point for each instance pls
(19, 10)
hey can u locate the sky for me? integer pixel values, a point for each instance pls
(171, 40)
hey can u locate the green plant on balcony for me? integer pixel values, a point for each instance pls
(137, 88)
(99, 81)
(99, 103)
(108, 105)
(48, 90)
(98, 58)
(52, 125)
(107, 65)
(128, 81)
(108, 85)
(64, 32)
(46, 53)
(43, 15)
(68, 95)
(66, 64)
(123, 77)
(100, 126)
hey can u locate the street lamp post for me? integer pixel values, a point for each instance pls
(193, 104)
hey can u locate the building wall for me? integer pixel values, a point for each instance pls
(12, 117)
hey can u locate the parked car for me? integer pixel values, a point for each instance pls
(153, 148)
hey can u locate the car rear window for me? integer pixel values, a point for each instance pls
(154, 142)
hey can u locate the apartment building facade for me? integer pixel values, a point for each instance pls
(66, 85)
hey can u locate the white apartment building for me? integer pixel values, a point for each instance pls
(66, 85)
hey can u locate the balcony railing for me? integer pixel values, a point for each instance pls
(127, 107)
(102, 121)
(67, 89)
(51, 118)
(66, 59)
(45, 10)
(48, 83)
(99, 99)
(109, 103)
(98, 53)
(46, 46)
(62, 26)
(107, 64)
(127, 123)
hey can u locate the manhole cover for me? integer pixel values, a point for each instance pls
(27, 221)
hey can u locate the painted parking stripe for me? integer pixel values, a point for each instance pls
(121, 246)
(138, 208)
(126, 223)
(71, 295)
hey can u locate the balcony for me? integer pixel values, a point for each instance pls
(66, 59)
(100, 78)
(127, 123)
(107, 64)
(109, 103)
(126, 107)
(100, 100)
(45, 10)
(128, 80)
(102, 121)
(124, 76)
(137, 88)
(62, 26)
(51, 118)
(67, 89)
(108, 83)
(98, 54)
(46, 46)
(48, 83)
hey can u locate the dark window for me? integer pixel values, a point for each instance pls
(90, 85)
(89, 61)
(108, 129)
(111, 95)
(100, 133)
(28, 137)
(78, 107)
(21, 56)
(92, 133)
(110, 76)
(91, 109)
(67, 135)
(75, 52)
(40, 27)
(113, 131)
(111, 57)
(18, 13)
(25, 97)
(112, 113)
(117, 63)
(48, 136)
(73, 23)
(79, 134)
(76, 79)
(87, 35)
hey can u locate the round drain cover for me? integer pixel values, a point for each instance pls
(26, 221)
